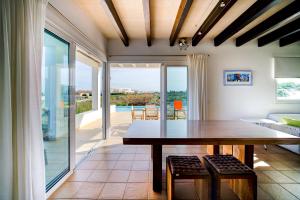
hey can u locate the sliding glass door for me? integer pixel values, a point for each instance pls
(146, 91)
(55, 107)
(177, 92)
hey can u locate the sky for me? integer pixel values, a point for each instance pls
(148, 79)
(83, 76)
(177, 78)
(141, 79)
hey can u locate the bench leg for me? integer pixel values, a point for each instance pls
(203, 188)
(170, 183)
(216, 188)
(254, 187)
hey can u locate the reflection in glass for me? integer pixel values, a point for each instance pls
(176, 129)
(55, 107)
(176, 93)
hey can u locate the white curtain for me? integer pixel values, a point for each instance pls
(197, 81)
(22, 174)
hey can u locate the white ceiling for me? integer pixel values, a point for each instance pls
(163, 14)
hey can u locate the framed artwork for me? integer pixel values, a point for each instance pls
(238, 77)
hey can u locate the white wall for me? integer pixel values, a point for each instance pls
(224, 102)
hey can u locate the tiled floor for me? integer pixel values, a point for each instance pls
(116, 171)
(87, 137)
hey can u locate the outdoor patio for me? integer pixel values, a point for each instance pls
(120, 121)
(89, 136)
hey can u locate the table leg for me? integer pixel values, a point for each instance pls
(213, 149)
(249, 156)
(244, 153)
(157, 167)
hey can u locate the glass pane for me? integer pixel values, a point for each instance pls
(88, 105)
(55, 107)
(288, 88)
(134, 95)
(177, 93)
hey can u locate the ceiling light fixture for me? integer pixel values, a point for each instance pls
(222, 4)
(183, 44)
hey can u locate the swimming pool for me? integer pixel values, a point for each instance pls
(128, 108)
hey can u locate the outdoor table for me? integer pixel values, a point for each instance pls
(195, 132)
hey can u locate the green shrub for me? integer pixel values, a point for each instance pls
(83, 105)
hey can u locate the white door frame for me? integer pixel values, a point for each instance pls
(163, 92)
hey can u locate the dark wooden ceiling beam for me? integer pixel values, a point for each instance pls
(254, 11)
(294, 37)
(264, 26)
(216, 14)
(146, 9)
(115, 19)
(279, 33)
(183, 10)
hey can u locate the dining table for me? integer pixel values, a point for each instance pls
(239, 135)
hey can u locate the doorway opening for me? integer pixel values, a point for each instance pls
(134, 94)
(88, 100)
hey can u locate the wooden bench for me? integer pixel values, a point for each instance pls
(229, 167)
(187, 167)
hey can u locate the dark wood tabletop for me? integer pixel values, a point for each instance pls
(204, 132)
(244, 135)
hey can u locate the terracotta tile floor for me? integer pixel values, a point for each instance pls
(116, 171)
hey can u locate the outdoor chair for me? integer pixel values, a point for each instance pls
(179, 112)
(137, 114)
(151, 112)
(170, 113)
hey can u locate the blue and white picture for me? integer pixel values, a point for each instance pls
(237, 77)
